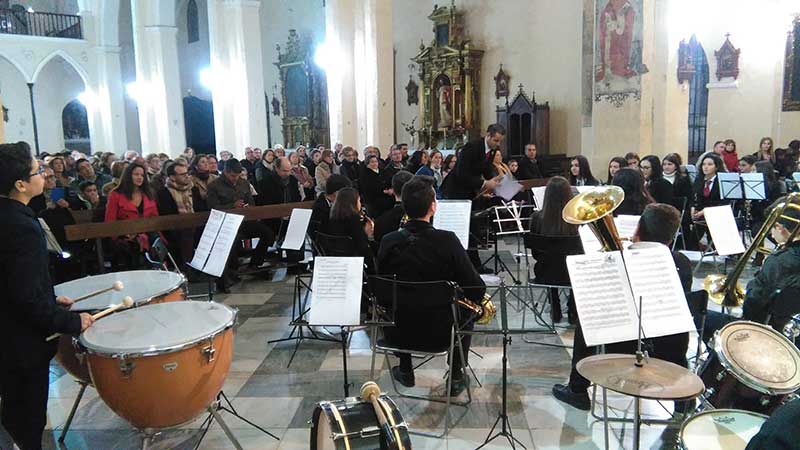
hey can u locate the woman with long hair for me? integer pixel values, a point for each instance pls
(372, 186)
(766, 150)
(201, 178)
(706, 188)
(59, 167)
(267, 163)
(132, 199)
(304, 181)
(672, 171)
(434, 170)
(418, 159)
(729, 156)
(636, 196)
(449, 164)
(580, 174)
(496, 167)
(659, 188)
(616, 163)
(346, 221)
(323, 170)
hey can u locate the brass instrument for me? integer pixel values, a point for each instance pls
(484, 312)
(726, 290)
(594, 208)
(792, 328)
(404, 220)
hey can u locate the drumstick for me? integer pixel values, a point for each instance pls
(127, 302)
(370, 392)
(117, 286)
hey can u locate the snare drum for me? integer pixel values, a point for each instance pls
(143, 286)
(161, 366)
(352, 424)
(720, 429)
(752, 367)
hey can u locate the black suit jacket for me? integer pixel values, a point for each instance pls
(700, 201)
(28, 310)
(273, 191)
(466, 179)
(661, 190)
(320, 216)
(529, 170)
(388, 221)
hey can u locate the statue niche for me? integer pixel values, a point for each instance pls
(449, 73)
(304, 93)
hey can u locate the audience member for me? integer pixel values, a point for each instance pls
(86, 173)
(350, 167)
(530, 167)
(117, 169)
(250, 162)
(176, 197)
(305, 182)
(132, 199)
(449, 165)
(59, 166)
(324, 169)
(278, 186)
(153, 164)
(497, 168)
(765, 150)
(417, 160)
(201, 178)
(730, 157)
(434, 170)
(213, 165)
(373, 187)
(266, 166)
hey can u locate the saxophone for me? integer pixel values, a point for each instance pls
(484, 312)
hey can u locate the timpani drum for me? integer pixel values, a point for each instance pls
(752, 367)
(351, 424)
(720, 429)
(161, 366)
(143, 286)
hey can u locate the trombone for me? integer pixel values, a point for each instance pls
(726, 290)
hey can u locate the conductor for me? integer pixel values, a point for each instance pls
(29, 309)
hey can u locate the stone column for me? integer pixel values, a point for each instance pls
(240, 112)
(361, 78)
(107, 109)
(158, 80)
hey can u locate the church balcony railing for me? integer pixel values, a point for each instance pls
(22, 22)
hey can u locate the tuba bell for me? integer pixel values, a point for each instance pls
(726, 290)
(594, 208)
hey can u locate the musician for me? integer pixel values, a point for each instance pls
(580, 173)
(659, 188)
(29, 310)
(321, 211)
(346, 221)
(411, 253)
(390, 220)
(658, 223)
(466, 181)
(780, 272)
(706, 188)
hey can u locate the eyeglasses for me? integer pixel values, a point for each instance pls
(39, 171)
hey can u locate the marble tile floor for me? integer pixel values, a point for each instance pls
(281, 399)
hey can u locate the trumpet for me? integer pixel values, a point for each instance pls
(484, 312)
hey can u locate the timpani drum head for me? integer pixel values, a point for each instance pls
(720, 429)
(759, 356)
(160, 328)
(141, 285)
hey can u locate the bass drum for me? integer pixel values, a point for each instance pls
(351, 424)
(720, 429)
(161, 366)
(752, 367)
(143, 286)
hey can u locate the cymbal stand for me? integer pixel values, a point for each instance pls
(213, 414)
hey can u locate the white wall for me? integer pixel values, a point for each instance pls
(56, 85)
(537, 41)
(14, 93)
(195, 56)
(128, 67)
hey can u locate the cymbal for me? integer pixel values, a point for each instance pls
(656, 379)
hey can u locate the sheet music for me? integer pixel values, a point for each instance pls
(454, 215)
(336, 291)
(653, 276)
(723, 230)
(603, 297)
(730, 185)
(296, 231)
(52, 242)
(210, 233)
(754, 186)
(582, 189)
(538, 196)
(626, 225)
(507, 188)
(222, 247)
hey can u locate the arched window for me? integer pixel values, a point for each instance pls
(698, 100)
(192, 22)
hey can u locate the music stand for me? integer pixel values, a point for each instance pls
(515, 221)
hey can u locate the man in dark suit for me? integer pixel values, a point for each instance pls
(467, 181)
(321, 211)
(419, 252)
(529, 166)
(29, 309)
(658, 223)
(390, 220)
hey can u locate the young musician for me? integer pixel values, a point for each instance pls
(419, 252)
(658, 223)
(29, 310)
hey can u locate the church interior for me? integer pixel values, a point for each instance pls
(585, 84)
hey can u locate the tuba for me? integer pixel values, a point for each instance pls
(726, 290)
(484, 312)
(594, 208)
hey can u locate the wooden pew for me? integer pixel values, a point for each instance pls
(98, 231)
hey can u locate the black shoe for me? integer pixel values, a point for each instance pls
(483, 270)
(457, 386)
(574, 399)
(405, 378)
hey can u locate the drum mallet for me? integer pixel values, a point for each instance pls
(117, 286)
(127, 302)
(370, 392)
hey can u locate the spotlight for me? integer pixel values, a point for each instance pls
(207, 78)
(86, 98)
(135, 91)
(327, 56)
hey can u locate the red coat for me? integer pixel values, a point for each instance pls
(731, 160)
(120, 207)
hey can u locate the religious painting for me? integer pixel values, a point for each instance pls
(412, 92)
(443, 115)
(618, 50)
(791, 72)
(296, 91)
(727, 60)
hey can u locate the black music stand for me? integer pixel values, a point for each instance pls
(516, 224)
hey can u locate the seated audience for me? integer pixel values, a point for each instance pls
(201, 177)
(88, 197)
(419, 252)
(390, 220)
(106, 160)
(529, 167)
(730, 157)
(449, 165)
(346, 221)
(59, 166)
(45, 201)
(117, 169)
(496, 168)
(278, 186)
(305, 182)
(132, 199)
(513, 167)
(580, 174)
(636, 196)
(266, 166)
(321, 211)
(350, 168)
(159, 179)
(658, 223)
(373, 188)
(213, 165)
(86, 173)
(153, 164)
(418, 159)
(323, 170)
(176, 197)
(614, 165)
(250, 162)
(434, 170)
(659, 188)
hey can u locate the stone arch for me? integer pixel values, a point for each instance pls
(28, 78)
(66, 57)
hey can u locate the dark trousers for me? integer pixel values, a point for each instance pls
(714, 321)
(23, 410)
(435, 343)
(266, 237)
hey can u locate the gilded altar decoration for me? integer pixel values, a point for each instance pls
(618, 51)
(304, 94)
(791, 72)
(449, 73)
(727, 60)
